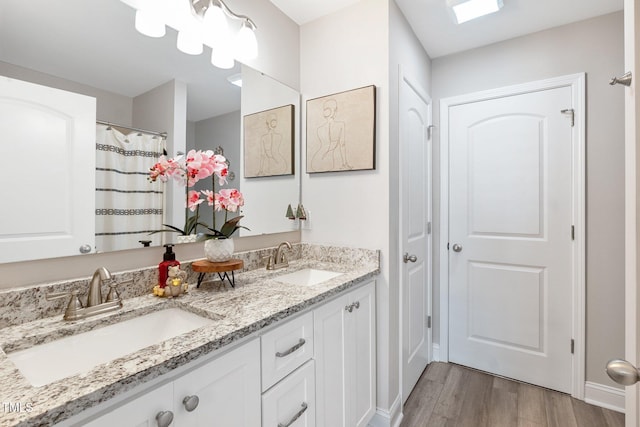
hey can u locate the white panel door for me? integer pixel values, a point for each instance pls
(56, 215)
(510, 258)
(415, 149)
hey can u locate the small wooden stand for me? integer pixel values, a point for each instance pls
(222, 268)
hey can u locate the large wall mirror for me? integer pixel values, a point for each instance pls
(147, 94)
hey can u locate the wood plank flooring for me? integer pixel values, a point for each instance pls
(449, 395)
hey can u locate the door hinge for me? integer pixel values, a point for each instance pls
(572, 113)
(429, 227)
(428, 322)
(573, 232)
(573, 345)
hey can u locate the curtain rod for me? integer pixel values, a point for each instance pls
(150, 132)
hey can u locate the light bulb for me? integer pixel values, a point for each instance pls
(247, 44)
(221, 56)
(215, 22)
(189, 43)
(149, 24)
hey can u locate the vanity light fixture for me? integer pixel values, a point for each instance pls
(466, 10)
(199, 23)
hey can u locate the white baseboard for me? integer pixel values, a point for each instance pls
(604, 396)
(390, 418)
(436, 353)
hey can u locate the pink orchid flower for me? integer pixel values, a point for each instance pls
(193, 200)
(231, 199)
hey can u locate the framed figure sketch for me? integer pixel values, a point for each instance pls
(268, 142)
(341, 131)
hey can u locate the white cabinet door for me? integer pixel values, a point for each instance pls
(291, 402)
(139, 412)
(344, 339)
(329, 339)
(360, 352)
(51, 130)
(228, 390)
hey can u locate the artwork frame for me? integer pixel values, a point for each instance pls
(270, 150)
(341, 131)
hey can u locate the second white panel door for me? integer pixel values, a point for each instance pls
(510, 254)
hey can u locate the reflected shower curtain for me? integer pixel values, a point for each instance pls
(128, 206)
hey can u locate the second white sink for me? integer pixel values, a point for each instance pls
(45, 363)
(307, 277)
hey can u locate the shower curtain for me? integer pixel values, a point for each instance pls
(128, 206)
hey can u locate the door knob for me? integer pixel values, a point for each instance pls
(624, 80)
(408, 258)
(622, 372)
(457, 248)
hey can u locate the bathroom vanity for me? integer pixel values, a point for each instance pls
(283, 347)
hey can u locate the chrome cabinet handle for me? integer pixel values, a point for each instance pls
(356, 304)
(408, 258)
(295, 417)
(622, 372)
(349, 308)
(457, 248)
(164, 418)
(191, 402)
(292, 349)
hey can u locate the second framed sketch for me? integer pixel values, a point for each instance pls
(341, 131)
(268, 142)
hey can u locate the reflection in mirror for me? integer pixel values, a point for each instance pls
(142, 87)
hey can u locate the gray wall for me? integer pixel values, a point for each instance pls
(594, 46)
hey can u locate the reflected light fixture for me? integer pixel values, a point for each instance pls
(200, 22)
(466, 10)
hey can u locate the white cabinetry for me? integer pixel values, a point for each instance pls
(291, 403)
(344, 334)
(227, 390)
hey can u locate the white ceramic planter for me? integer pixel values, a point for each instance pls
(218, 250)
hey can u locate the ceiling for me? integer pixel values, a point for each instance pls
(434, 25)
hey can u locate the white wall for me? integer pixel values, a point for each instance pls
(407, 56)
(594, 46)
(279, 47)
(347, 50)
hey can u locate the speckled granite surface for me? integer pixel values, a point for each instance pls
(258, 300)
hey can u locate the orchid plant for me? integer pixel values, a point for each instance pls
(187, 171)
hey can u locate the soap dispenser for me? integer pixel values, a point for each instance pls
(168, 260)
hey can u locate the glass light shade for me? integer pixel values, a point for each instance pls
(221, 56)
(215, 23)
(472, 9)
(148, 24)
(246, 43)
(189, 43)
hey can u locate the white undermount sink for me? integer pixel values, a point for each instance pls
(307, 277)
(45, 363)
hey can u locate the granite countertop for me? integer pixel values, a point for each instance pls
(257, 301)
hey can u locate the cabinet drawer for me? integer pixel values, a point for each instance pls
(285, 348)
(292, 402)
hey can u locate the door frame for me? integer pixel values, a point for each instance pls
(577, 84)
(403, 77)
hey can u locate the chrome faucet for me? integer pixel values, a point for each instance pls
(280, 258)
(95, 304)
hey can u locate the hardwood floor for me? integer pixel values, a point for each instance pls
(450, 395)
